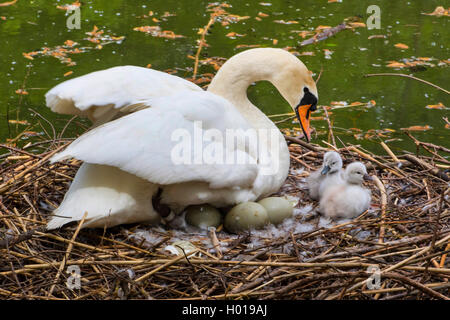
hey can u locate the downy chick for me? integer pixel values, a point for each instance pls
(330, 174)
(348, 199)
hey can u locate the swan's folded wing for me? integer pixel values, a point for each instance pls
(178, 139)
(101, 95)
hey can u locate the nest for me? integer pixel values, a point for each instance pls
(395, 250)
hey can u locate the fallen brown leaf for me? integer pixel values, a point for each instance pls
(417, 128)
(4, 4)
(439, 12)
(401, 46)
(440, 105)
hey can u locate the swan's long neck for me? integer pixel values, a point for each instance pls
(238, 73)
(232, 81)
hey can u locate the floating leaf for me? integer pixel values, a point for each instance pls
(338, 103)
(262, 15)
(22, 122)
(356, 24)
(321, 28)
(72, 6)
(377, 36)
(439, 12)
(4, 4)
(21, 92)
(285, 22)
(395, 64)
(424, 59)
(307, 53)
(155, 31)
(28, 55)
(401, 46)
(69, 43)
(435, 106)
(68, 73)
(304, 34)
(233, 35)
(417, 128)
(239, 46)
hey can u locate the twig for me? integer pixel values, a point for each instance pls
(211, 21)
(435, 171)
(66, 256)
(304, 144)
(407, 76)
(382, 189)
(330, 128)
(327, 33)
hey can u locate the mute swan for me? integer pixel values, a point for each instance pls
(330, 174)
(348, 199)
(132, 164)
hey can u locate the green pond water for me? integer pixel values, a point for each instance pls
(345, 58)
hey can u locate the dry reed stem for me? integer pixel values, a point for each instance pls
(67, 254)
(383, 199)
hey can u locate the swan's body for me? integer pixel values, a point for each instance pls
(328, 175)
(348, 199)
(127, 160)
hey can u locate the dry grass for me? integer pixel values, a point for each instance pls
(406, 234)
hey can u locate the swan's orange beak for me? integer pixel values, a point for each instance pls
(303, 113)
(303, 110)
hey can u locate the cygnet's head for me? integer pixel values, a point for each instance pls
(356, 173)
(332, 162)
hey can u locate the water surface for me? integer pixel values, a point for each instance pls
(344, 59)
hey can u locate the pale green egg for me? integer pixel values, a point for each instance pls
(277, 208)
(245, 216)
(203, 216)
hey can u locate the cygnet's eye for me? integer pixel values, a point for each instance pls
(333, 163)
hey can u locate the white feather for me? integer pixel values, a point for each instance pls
(101, 95)
(140, 143)
(109, 196)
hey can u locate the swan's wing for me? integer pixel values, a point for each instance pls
(178, 139)
(101, 95)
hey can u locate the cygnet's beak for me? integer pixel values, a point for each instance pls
(325, 169)
(368, 177)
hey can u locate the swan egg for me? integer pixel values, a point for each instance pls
(245, 216)
(203, 216)
(277, 209)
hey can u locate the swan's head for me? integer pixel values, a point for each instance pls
(356, 173)
(332, 162)
(296, 85)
